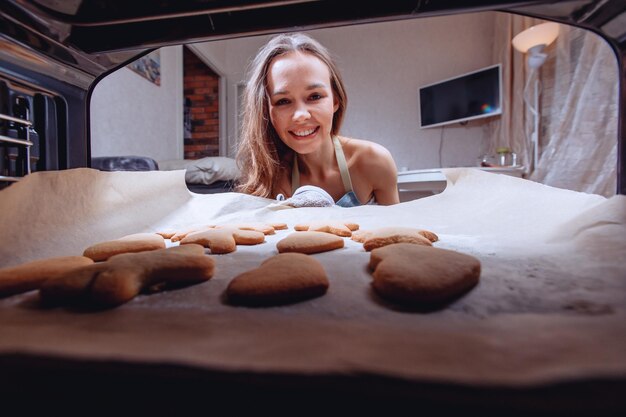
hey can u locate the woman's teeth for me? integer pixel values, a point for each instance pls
(304, 132)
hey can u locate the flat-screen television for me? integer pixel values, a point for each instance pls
(466, 97)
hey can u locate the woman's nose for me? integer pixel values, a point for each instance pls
(301, 113)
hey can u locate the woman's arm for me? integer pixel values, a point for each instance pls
(380, 169)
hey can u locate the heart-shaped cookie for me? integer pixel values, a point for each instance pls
(418, 275)
(282, 279)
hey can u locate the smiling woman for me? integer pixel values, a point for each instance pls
(296, 87)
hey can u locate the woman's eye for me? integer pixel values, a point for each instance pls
(281, 102)
(315, 96)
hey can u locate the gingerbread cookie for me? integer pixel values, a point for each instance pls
(429, 235)
(166, 234)
(138, 242)
(338, 228)
(123, 276)
(419, 275)
(267, 228)
(180, 235)
(224, 240)
(362, 235)
(389, 235)
(284, 278)
(309, 242)
(31, 275)
(278, 225)
(264, 228)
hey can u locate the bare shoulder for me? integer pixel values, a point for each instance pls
(373, 163)
(367, 154)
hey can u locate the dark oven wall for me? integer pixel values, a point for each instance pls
(36, 133)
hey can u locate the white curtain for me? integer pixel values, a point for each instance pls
(578, 106)
(509, 131)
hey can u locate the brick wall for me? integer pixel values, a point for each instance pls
(202, 112)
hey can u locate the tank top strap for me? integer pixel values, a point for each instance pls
(295, 174)
(343, 165)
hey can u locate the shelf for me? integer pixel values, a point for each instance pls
(17, 141)
(15, 119)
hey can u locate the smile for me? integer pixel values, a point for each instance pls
(304, 133)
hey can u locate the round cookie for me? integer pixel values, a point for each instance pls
(281, 279)
(309, 242)
(389, 235)
(418, 275)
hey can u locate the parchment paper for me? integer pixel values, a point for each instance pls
(550, 305)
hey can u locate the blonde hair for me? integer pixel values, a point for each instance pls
(262, 155)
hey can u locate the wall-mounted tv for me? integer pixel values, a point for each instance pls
(466, 97)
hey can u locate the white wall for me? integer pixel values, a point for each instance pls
(383, 66)
(132, 116)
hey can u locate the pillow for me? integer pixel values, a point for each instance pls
(205, 170)
(124, 163)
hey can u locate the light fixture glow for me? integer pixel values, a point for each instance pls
(543, 34)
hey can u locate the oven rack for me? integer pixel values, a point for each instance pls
(23, 142)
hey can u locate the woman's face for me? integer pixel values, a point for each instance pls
(301, 100)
